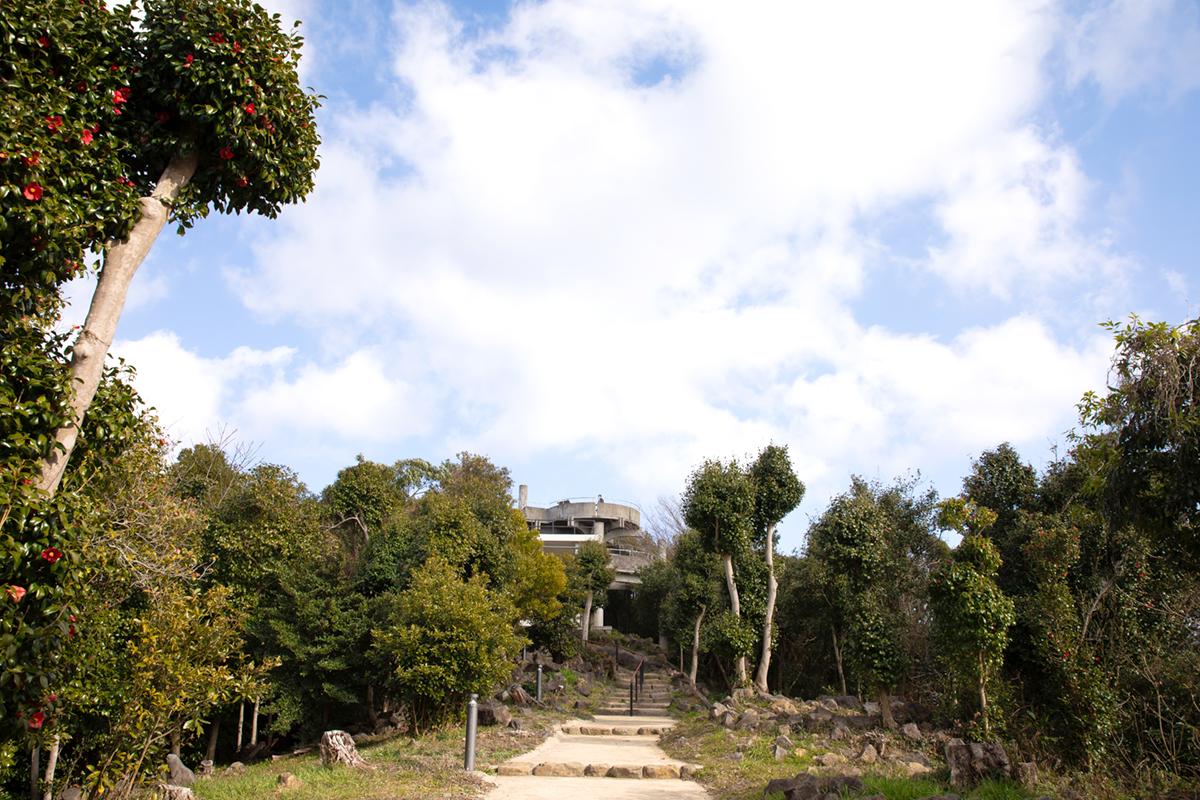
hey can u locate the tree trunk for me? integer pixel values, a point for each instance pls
(764, 659)
(372, 714)
(214, 733)
(254, 725)
(885, 708)
(121, 262)
(176, 742)
(735, 606)
(35, 771)
(51, 763)
(983, 708)
(587, 615)
(695, 665)
(837, 657)
(241, 724)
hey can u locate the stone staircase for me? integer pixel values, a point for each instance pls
(614, 743)
(653, 700)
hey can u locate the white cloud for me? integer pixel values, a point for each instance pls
(1125, 46)
(559, 255)
(190, 391)
(354, 399)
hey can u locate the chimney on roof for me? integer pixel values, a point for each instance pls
(522, 496)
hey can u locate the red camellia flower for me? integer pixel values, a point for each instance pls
(249, 108)
(52, 554)
(53, 123)
(124, 181)
(217, 38)
(51, 698)
(70, 618)
(225, 153)
(36, 719)
(121, 95)
(32, 192)
(188, 59)
(86, 136)
(15, 593)
(32, 159)
(242, 182)
(237, 48)
(44, 41)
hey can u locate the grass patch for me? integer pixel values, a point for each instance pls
(403, 768)
(901, 788)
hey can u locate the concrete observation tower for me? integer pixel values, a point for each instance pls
(569, 523)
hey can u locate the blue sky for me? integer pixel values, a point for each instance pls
(599, 241)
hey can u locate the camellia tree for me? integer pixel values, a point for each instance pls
(112, 123)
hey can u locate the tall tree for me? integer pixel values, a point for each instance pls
(719, 503)
(853, 541)
(971, 613)
(195, 105)
(777, 492)
(591, 575)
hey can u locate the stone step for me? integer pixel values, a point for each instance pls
(617, 711)
(575, 769)
(611, 730)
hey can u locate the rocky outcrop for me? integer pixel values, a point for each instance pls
(971, 763)
(811, 787)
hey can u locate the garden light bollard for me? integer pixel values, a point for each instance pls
(539, 683)
(472, 721)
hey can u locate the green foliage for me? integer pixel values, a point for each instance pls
(538, 578)
(777, 490)
(589, 571)
(719, 503)
(972, 616)
(1147, 432)
(220, 78)
(444, 638)
(42, 564)
(728, 636)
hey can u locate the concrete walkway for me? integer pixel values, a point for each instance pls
(607, 757)
(528, 787)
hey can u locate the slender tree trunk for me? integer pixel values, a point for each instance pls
(176, 742)
(764, 659)
(254, 725)
(372, 714)
(983, 708)
(214, 734)
(735, 606)
(587, 615)
(695, 665)
(837, 657)
(885, 708)
(241, 724)
(51, 764)
(35, 771)
(121, 262)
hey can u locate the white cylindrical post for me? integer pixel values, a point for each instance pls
(472, 722)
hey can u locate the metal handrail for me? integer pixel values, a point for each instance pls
(637, 682)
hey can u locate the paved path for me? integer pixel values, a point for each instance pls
(620, 763)
(529, 787)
